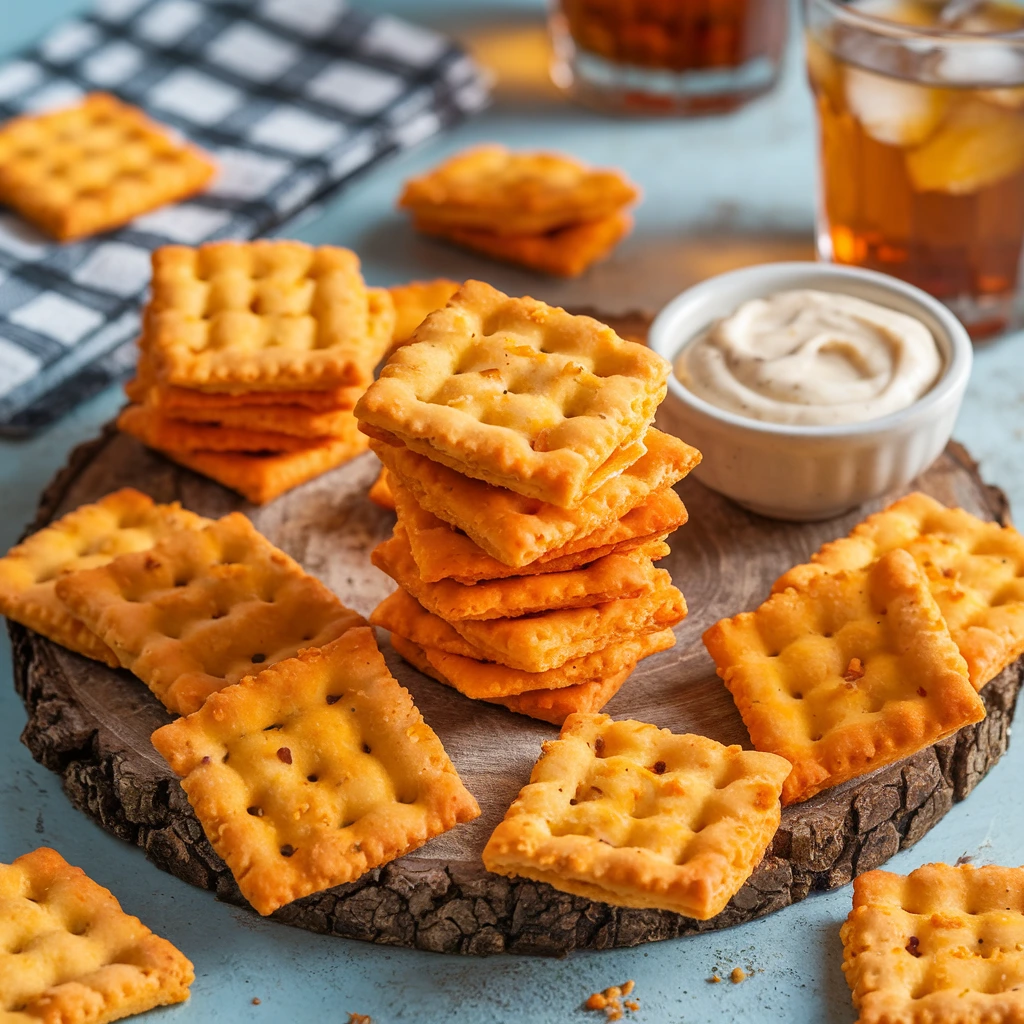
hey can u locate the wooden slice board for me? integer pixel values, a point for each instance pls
(92, 725)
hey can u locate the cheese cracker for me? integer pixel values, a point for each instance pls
(380, 492)
(492, 189)
(606, 579)
(636, 816)
(314, 772)
(69, 953)
(90, 536)
(553, 706)
(414, 302)
(201, 608)
(565, 252)
(975, 570)
(443, 553)
(853, 672)
(518, 530)
(942, 945)
(519, 394)
(477, 679)
(266, 315)
(292, 420)
(536, 643)
(258, 478)
(88, 168)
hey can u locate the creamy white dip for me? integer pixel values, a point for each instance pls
(811, 358)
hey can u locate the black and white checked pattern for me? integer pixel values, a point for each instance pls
(292, 98)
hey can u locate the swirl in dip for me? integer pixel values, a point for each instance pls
(811, 358)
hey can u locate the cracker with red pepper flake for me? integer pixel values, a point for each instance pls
(314, 772)
(941, 945)
(68, 952)
(202, 607)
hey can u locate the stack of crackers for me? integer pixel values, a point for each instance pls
(533, 498)
(880, 645)
(544, 211)
(252, 357)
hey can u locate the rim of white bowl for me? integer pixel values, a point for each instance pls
(665, 339)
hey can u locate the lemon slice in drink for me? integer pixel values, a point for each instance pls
(978, 145)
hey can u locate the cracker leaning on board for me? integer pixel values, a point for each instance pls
(533, 498)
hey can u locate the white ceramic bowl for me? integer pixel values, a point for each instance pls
(810, 472)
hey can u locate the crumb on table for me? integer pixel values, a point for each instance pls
(738, 975)
(610, 1000)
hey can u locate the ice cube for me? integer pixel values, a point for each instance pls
(978, 145)
(977, 62)
(891, 111)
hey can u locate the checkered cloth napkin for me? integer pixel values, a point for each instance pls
(291, 97)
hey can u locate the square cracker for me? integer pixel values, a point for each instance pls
(565, 252)
(170, 434)
(637, 816)
(552, 706)
(314, 772)
(519, 394)
(68, 952)
(518, 530)
(492, 189)
(94, 166)
(536, 643)
(201, 608)
(414, 302)
(265, 315)
(853, 672)
(92, 535)
(606, 579)
(443, 553)
(465, 668)
(293, 420)
(257, 477)
(942, 945)
(975, 571)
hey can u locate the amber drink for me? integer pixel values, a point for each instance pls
(667, 56)
(921, 116)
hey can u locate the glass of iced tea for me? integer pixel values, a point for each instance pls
(921, 118)
(667, 56)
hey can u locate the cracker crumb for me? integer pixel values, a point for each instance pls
(714, 979)
(596, 1002)
(633, 1004)
(610, 1000)
(359, 1018)
(738, 975)
(255, 1000)
(854, 671)
(628, 987)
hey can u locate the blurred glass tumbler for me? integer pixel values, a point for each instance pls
(921, 132)
(667, 56)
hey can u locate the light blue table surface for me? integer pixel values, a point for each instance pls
(718, 193)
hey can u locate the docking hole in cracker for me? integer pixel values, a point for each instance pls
(314, 772)
(68, 952)
(519, 394)
(202, 608)
(636, 816)
(854, 671)
(90, 536)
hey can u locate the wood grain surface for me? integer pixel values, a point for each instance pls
(92, 725)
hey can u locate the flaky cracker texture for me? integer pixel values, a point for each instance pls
(853, 672)
(314, 772)
(519, 394)
(942, 945)
(637, 816)
(202, 608)
(69, 953)
(90, 536)
(975, 571)
(94, 166)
